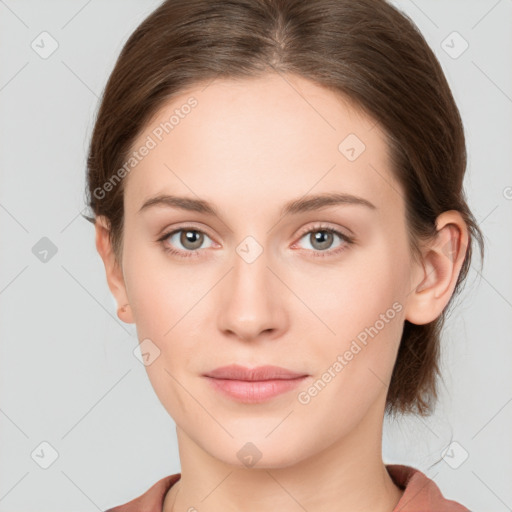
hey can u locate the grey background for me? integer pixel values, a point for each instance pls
(68, 375)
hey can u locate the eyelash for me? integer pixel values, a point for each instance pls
(322, 254)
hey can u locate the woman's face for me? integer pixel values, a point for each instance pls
(252, 285)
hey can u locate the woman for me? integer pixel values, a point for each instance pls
(277, 190)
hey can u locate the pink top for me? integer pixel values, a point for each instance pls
(421, 494)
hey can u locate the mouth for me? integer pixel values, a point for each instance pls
(254, 385)
(260, 373)
(255, 391)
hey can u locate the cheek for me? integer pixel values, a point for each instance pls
(361, 303)
(356, 365)
(156, 289)
(167, 310)
(354, 293)
(165, 313)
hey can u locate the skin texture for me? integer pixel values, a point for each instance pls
(248, 147)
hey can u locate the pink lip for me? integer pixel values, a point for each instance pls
(254, 385)
(237, 372)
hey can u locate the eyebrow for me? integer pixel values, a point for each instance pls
(294, 207)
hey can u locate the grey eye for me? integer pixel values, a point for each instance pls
(321, 239)
(189, 239)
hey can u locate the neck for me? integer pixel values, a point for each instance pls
(346, 475)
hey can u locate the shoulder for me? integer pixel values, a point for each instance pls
(421, 494)
(150, 501)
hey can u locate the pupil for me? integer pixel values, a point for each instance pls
(326, 236)
(189, 239)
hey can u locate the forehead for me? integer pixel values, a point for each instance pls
(259, 142)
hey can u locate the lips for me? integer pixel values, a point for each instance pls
(260, 373)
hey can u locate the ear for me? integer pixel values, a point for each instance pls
(435, 278)
(113, 269)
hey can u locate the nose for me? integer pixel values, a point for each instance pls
(251, 300)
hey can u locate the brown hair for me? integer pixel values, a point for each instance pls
(367, 51)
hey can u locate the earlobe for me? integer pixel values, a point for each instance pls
(440, 268)
(114, 273)
(124, 315)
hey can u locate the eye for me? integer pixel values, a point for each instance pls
(321, 239)
(190, 238)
